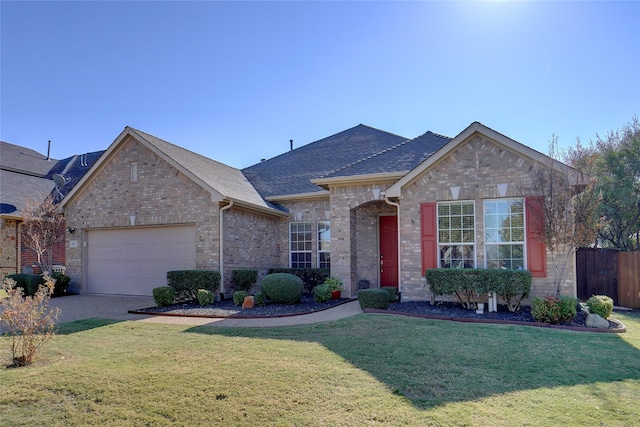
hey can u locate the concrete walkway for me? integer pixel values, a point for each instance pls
(78, 307)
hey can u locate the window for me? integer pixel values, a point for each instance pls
(324, 244)
(456, 235)
(300, 242)
(134, 171)
(504, 233)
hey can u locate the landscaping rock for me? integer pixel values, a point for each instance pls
(248, 302)
(597, 321)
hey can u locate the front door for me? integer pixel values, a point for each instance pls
(389, 251)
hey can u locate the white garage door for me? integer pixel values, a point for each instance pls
(133, 261)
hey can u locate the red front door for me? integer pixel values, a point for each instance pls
(389, 251)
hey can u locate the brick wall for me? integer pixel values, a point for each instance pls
(161, 196)
(476, 167)
(28, 257)
(8, 247)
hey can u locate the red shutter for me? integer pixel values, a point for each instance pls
(536, 249)
(428, 236)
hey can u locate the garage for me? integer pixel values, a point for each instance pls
(134, 260)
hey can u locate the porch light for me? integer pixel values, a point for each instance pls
(455, 192)
(502, 189)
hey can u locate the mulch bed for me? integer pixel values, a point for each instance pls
(423, 309)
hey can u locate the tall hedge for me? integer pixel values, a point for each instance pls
(311, 277)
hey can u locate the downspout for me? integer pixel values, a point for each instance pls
(222, 246)
(389, 202)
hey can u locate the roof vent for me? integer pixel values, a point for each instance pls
(291, 144)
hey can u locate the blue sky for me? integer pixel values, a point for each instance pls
(235, 81)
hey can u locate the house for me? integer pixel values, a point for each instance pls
(27, 177)
(370, 205)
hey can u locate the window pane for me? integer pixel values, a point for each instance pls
(456, 224)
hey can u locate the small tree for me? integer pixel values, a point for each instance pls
(29, 320)
(42, 229)
(569, 200)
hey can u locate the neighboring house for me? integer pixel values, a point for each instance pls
(370, 205)
(26, 177)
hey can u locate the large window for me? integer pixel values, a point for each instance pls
(456, 234)
(504, 233)
(301, 246)
(324, 244)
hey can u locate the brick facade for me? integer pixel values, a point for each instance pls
(9, 244)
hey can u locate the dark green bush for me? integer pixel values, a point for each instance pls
(28, 282)
(601, 305)
(187, 282)
(322, 293)
(62, 284)
(373, 298)
(282, 288)
(513, 286)
(311, 277)
(239, 296)
(393, 292)
(260, 298)
(164, 295)
(553, 310)
(244, 279)
(205, 297)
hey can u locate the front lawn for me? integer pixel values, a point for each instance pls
(365, 370)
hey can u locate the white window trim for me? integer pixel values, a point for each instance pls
(524, 220)
(300, 252)
(475, 231)
(319, 251)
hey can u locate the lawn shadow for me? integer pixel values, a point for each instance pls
(82, 325)
(431, 363)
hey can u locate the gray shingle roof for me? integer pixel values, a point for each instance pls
(24, 160)
(18, 189)
(292, 172)
(226, 180)
(399, 158)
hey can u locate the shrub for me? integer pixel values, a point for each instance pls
(282, 288)
(513, 286)
(239, 296)
(260, 298)
(333, 284)
(187, 282)
(29, 321)
(311, 277)
(393, 292)
(244, 279)
(62, 284)
(322, 293)
(459, 281)
(28, 282)
(205, 297)
(601, 305)
(373, 298)
(553, 309)
(164, 295)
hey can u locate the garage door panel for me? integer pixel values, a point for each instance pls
(133, 261)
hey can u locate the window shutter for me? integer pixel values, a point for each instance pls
(428, 234)
(536, 249)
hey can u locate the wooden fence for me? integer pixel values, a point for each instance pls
(629, 279)
(609, 272)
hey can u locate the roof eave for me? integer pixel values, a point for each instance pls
(323, 194)
(359, 179)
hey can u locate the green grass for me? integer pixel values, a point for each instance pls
(367, 370)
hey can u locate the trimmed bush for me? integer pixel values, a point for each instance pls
(187, 282)
(205, 297)
(62, 284)
(553, 310)
(164, 295)
(239, 296)
(283, 288)
(311, 277)
(244, 279)
(322, 293)
(373, 298)
(28, 282)
(393, 292)
(513, 286)
(601, 305)
(260, 298)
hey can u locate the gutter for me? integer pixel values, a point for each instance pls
(222, 246)
(389, 202)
